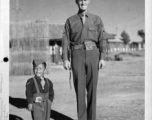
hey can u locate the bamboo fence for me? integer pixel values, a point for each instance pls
(28, 40)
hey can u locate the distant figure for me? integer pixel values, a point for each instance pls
(39, 92)
(83, 37)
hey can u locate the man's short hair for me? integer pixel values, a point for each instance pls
(76, 1)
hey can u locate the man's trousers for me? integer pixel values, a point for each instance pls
(84, 65)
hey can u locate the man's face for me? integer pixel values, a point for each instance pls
(83, 4)
(39, 70)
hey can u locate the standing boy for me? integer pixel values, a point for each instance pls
(83, 36)
(39, 92)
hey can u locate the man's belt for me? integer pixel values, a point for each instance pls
(88, 45)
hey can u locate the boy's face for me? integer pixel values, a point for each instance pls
(82, 4)
(39, 70)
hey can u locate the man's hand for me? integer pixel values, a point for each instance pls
(66, 65)
(30, 107)
(101, 64)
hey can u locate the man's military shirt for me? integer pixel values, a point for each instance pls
(31, 89)
(75, 33)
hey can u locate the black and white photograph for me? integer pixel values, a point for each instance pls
(76, 60)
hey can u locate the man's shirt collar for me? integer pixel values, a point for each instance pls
(86, 14)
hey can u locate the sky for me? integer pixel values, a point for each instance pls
(116, 15)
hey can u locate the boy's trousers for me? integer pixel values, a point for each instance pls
(42, 110)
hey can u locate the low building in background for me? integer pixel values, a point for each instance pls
(138, 45)
(40, 39)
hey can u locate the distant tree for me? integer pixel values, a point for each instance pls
(141, 33)
(125, 37)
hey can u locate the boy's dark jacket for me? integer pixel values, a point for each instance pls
(31, 89)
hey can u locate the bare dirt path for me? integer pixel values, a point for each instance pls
(120, 92)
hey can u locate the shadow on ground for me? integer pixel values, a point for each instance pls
(22, 104)
(130, 54)
(14, 117)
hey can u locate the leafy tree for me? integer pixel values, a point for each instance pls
(125, 37)
(141, 33)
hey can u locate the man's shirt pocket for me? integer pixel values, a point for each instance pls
(92, 33)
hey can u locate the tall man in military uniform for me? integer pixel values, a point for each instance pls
(83, 36)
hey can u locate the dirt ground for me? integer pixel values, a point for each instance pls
(120, 92)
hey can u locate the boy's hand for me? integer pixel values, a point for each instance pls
(30, 107)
